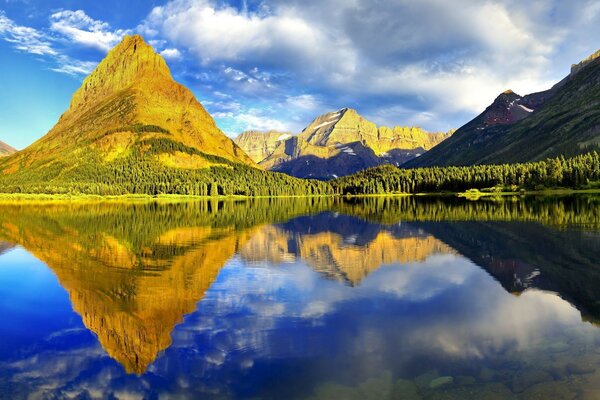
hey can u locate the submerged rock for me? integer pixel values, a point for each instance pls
(580, 368)
(423, 380)
(377, 388)
(441, 381)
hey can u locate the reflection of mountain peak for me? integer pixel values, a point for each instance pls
(353, 230)
(528, 255)
(134, 308)
(130, 290)
(342, 247)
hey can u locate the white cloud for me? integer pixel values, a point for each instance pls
(80, 28)
(255, 120)
(34, 41)
(71, 66)
(225, 34)
(25, 38)
(436, 57)
(171, 54)
(303, 102)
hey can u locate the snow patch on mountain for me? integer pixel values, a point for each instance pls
(525, 108)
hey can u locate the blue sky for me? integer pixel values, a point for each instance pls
(277, 64)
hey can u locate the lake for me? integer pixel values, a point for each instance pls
(323, 298)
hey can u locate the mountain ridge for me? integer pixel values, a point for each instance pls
(561, 121)
(335, 144)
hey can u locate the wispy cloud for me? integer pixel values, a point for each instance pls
(65, 27)
(24, 38)
(80, 28)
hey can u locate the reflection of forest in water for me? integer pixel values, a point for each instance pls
(134, 270)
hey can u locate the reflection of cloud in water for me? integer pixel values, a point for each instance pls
(445, 306)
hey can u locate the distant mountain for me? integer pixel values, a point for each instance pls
(260, 145)
(6, 150)
(336, 144)
(564, 120)
(131, 128)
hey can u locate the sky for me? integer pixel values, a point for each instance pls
(275, 64)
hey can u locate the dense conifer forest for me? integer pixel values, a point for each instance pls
(576, 173)
(141, 173)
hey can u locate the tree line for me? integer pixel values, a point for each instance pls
(577, 172)
(141, 172)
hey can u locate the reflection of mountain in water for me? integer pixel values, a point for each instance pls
(342, 247)
(132, 299)
(523, 255)
(133, 272)
(5, 246)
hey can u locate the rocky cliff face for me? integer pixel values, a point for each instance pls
(129, 99)
(259, 145)
(575, 68)
(337, 144)
(347, 126)
(6, 150)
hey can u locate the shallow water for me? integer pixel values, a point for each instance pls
(294, 299)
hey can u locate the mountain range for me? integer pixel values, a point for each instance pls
(130, 128)
(336, 144)
(563, 120)
(6, 150)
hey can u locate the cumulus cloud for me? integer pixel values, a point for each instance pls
(436, 63)
(71, 66)
(255, 119)
(442, 59)
(171, 54)
(80, 28)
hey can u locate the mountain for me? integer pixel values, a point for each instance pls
(260, 145)
(564, 120)
(130, 128)
(6, 150)
(336, 144)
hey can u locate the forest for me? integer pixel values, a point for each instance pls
(578, 172)
(140, 173)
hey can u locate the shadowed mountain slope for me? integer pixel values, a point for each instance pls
(564, 120)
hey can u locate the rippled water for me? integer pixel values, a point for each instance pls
(294, 299)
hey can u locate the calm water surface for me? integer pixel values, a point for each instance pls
(302, 299)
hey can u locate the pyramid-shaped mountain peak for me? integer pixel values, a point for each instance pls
(128, 63)
(128, 119)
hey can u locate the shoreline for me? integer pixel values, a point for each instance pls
(11, 198)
